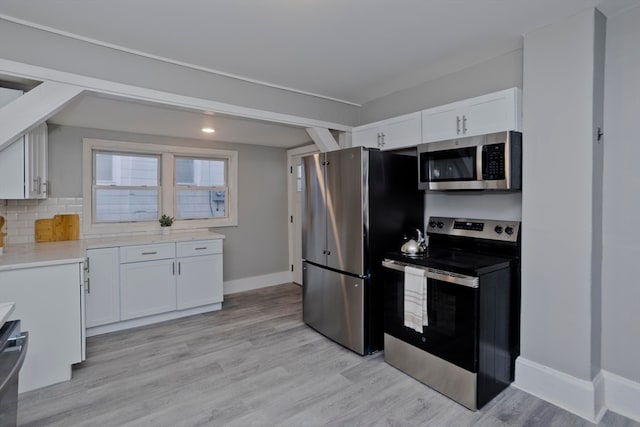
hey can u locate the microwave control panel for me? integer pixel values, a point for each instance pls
(493, 162)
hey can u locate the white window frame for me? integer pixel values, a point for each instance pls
(167, 155)
(177, 187)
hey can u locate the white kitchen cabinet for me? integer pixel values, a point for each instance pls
(48, 302)
(147, 280)
(23, 166)
(147, 287)
(494, 112)
(397, 132)
(132, 285)
(102, 287)
(199, 279)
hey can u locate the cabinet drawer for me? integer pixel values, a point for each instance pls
(199, 247)
(147, 252)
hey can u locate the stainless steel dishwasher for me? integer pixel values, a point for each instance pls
(13, 349)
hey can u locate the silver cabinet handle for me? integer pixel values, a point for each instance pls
(382, 140)
(458, 125)
(88, 285)
(173, 267)
(150, 253)
(464, 124)
(179, 268)
(201, 248)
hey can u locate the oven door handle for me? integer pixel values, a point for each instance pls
(432, 273)
(19, 344)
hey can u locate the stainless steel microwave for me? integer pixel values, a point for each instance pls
(485, 162)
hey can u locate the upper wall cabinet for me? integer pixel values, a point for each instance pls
(390, 134)
(495, 112)
(23, 166)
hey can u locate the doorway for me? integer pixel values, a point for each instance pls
(294, 163)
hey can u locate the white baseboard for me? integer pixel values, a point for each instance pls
(622, 395)
(256, 282)
(149, 320)
(583, 398)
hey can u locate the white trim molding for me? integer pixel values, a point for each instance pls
(256, 282)
(126, 91)
(33, 108)
(581, 397)
(622, 395)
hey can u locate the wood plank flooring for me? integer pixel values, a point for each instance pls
(255, 363)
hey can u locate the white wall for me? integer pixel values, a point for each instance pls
(258, 246)
(494, 74)
(557, 197)
(621, 233)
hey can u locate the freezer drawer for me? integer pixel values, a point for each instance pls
(333, 304)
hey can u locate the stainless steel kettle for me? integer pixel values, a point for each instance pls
(412, 246)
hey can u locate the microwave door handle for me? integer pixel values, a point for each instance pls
(479, 162)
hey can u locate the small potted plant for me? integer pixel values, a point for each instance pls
(165, 223)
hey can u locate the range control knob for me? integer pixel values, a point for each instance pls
(498, 229)
(440, 224)
(432, 224)
(508, 230)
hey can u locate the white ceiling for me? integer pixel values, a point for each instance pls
(351, 50)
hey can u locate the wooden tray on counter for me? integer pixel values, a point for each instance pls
(60, 227)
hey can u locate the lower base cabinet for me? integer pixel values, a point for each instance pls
(134, 282)
(48, 302)
(103, 287)
(196, 280)
(147, 288)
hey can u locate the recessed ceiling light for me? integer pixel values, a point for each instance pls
(208, 130)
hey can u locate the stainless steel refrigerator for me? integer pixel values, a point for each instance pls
(357, 204)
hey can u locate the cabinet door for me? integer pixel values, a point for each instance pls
(441, 123)
(404, 131)
(12, 170)
(199, 281)
(103, 287)
(366, 137)
(147, 288)
(488, 114)
(36, 150)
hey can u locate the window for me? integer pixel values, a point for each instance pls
(132, 184)
(201, 188)
(125, 187)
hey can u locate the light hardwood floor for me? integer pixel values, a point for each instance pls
(255, 363)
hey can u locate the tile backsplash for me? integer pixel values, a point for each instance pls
(20, 215)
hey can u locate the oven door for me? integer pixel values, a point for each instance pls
(452, 309)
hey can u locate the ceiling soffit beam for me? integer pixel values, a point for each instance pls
(323, 139)
(136, 93)
(33, 108)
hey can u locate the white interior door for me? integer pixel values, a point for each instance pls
(295, 200)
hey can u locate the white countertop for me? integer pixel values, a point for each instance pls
(6, 308)
(30, 255)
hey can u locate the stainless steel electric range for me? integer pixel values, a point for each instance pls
(466, 344)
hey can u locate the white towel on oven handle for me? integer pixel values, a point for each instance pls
(415, 299)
